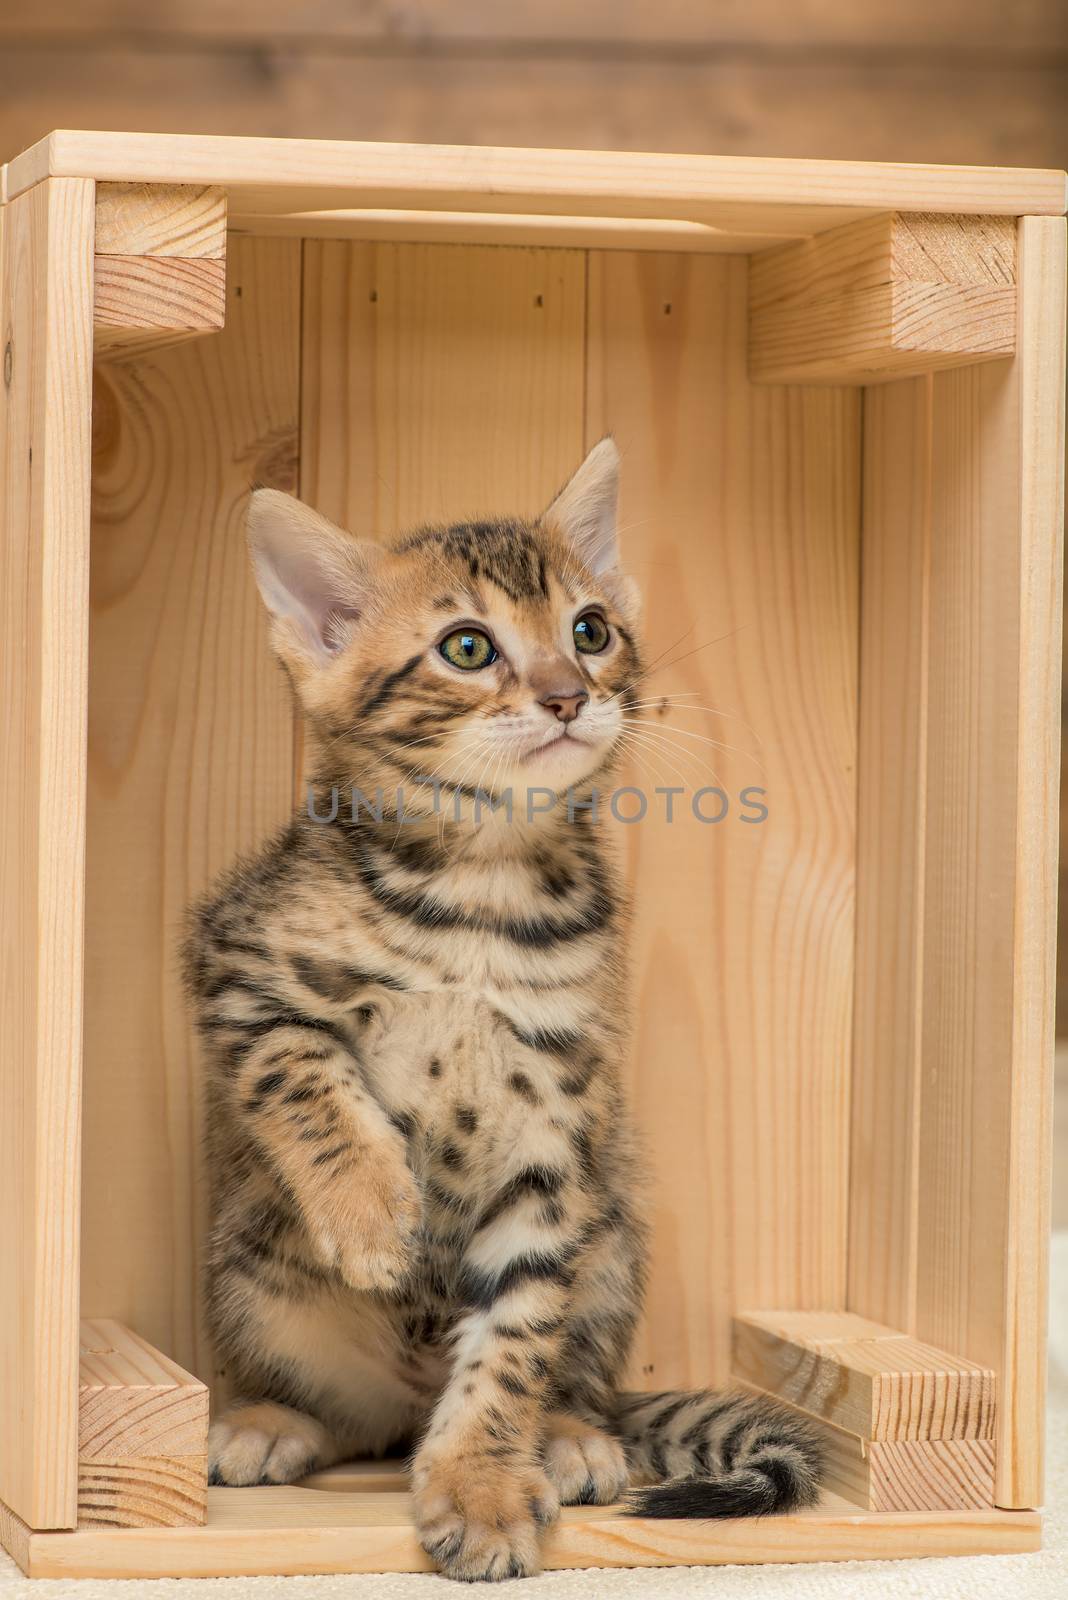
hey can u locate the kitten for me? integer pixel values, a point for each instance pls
(428, 1212)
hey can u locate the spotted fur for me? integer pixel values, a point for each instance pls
(427, 1202)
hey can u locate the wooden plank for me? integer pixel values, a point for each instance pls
(483, 227)
(139, 296)
(896, 295)
(767, 194)
(300, 1532)
(389, 331)
(987, 999)
(778, 104)
(1041, 422)
(392, 333)
(143, 219)
(133, 1401)
(142, 1434)
(880, 1385)
(740, 514)
(894, 582)
(613, 25)
(190, 754)
(46, 315)
(15, 1537)
(908, 1474)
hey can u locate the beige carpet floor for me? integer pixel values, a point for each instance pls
(1042, 1576)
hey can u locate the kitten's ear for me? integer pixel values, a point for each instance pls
(585, 509)
(314, 578)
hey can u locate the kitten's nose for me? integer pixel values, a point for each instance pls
(565, 706)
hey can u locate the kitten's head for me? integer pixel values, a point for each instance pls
(488, 655)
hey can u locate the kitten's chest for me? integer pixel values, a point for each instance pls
(424, 1053)
(461, 1075)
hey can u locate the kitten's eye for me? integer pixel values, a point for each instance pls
(468, 648)
(591, 633)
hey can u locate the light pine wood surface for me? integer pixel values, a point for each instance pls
(190, 756)
(1040, 531)
(908, 1474)
(142, 1434)
(301, 1532)
(142, 219)
(137, 298)
(46, 290)
(784, 196)
(951, 1132)
(884, 1197)
(870, 1380)
(739, 518)
(988, 937)
(877, 300)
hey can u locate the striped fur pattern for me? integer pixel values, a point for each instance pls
(428, 1220)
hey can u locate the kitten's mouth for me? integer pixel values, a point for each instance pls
(550, 745)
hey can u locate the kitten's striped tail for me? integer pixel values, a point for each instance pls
(717, 1455)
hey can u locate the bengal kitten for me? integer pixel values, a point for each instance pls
(428, 1213)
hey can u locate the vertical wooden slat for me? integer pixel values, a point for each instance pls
(1041, 323)
(439, 380)
(895, 574)
(740, 518)
(46, 309)
(988, 926)
(960, 692)
(190, 751)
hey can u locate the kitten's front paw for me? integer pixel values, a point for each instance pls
(364, 1221)
(478, 1520)
(267, 1443)
(585, 1465)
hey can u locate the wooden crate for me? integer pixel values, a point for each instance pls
(838, 392)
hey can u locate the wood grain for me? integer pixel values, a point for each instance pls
(871, 1381)
(893, 296)
(143, 219)
(392, 334)
(908, 1474)
(190, 754)
(301, 1532)
(884, 1213)
(138, 296)
(142, 1434)
(46, 292)
(987, 998)
(769, 195)
(485, 227)
(143, 1491)
(1041, 423)
(133, 1401)
(740, 519)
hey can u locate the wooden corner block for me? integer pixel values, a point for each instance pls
(908, 1474)
(159, 265)
(150, 300)
(864, 1377)
(160, 219)
(142, 1434)
(889, 297)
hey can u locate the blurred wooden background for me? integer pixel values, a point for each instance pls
(893, 80)
(909, 80)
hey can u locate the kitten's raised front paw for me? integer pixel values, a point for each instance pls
(584, 1465)
(479, 1521)
(267, 1443)
(364, 1218)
